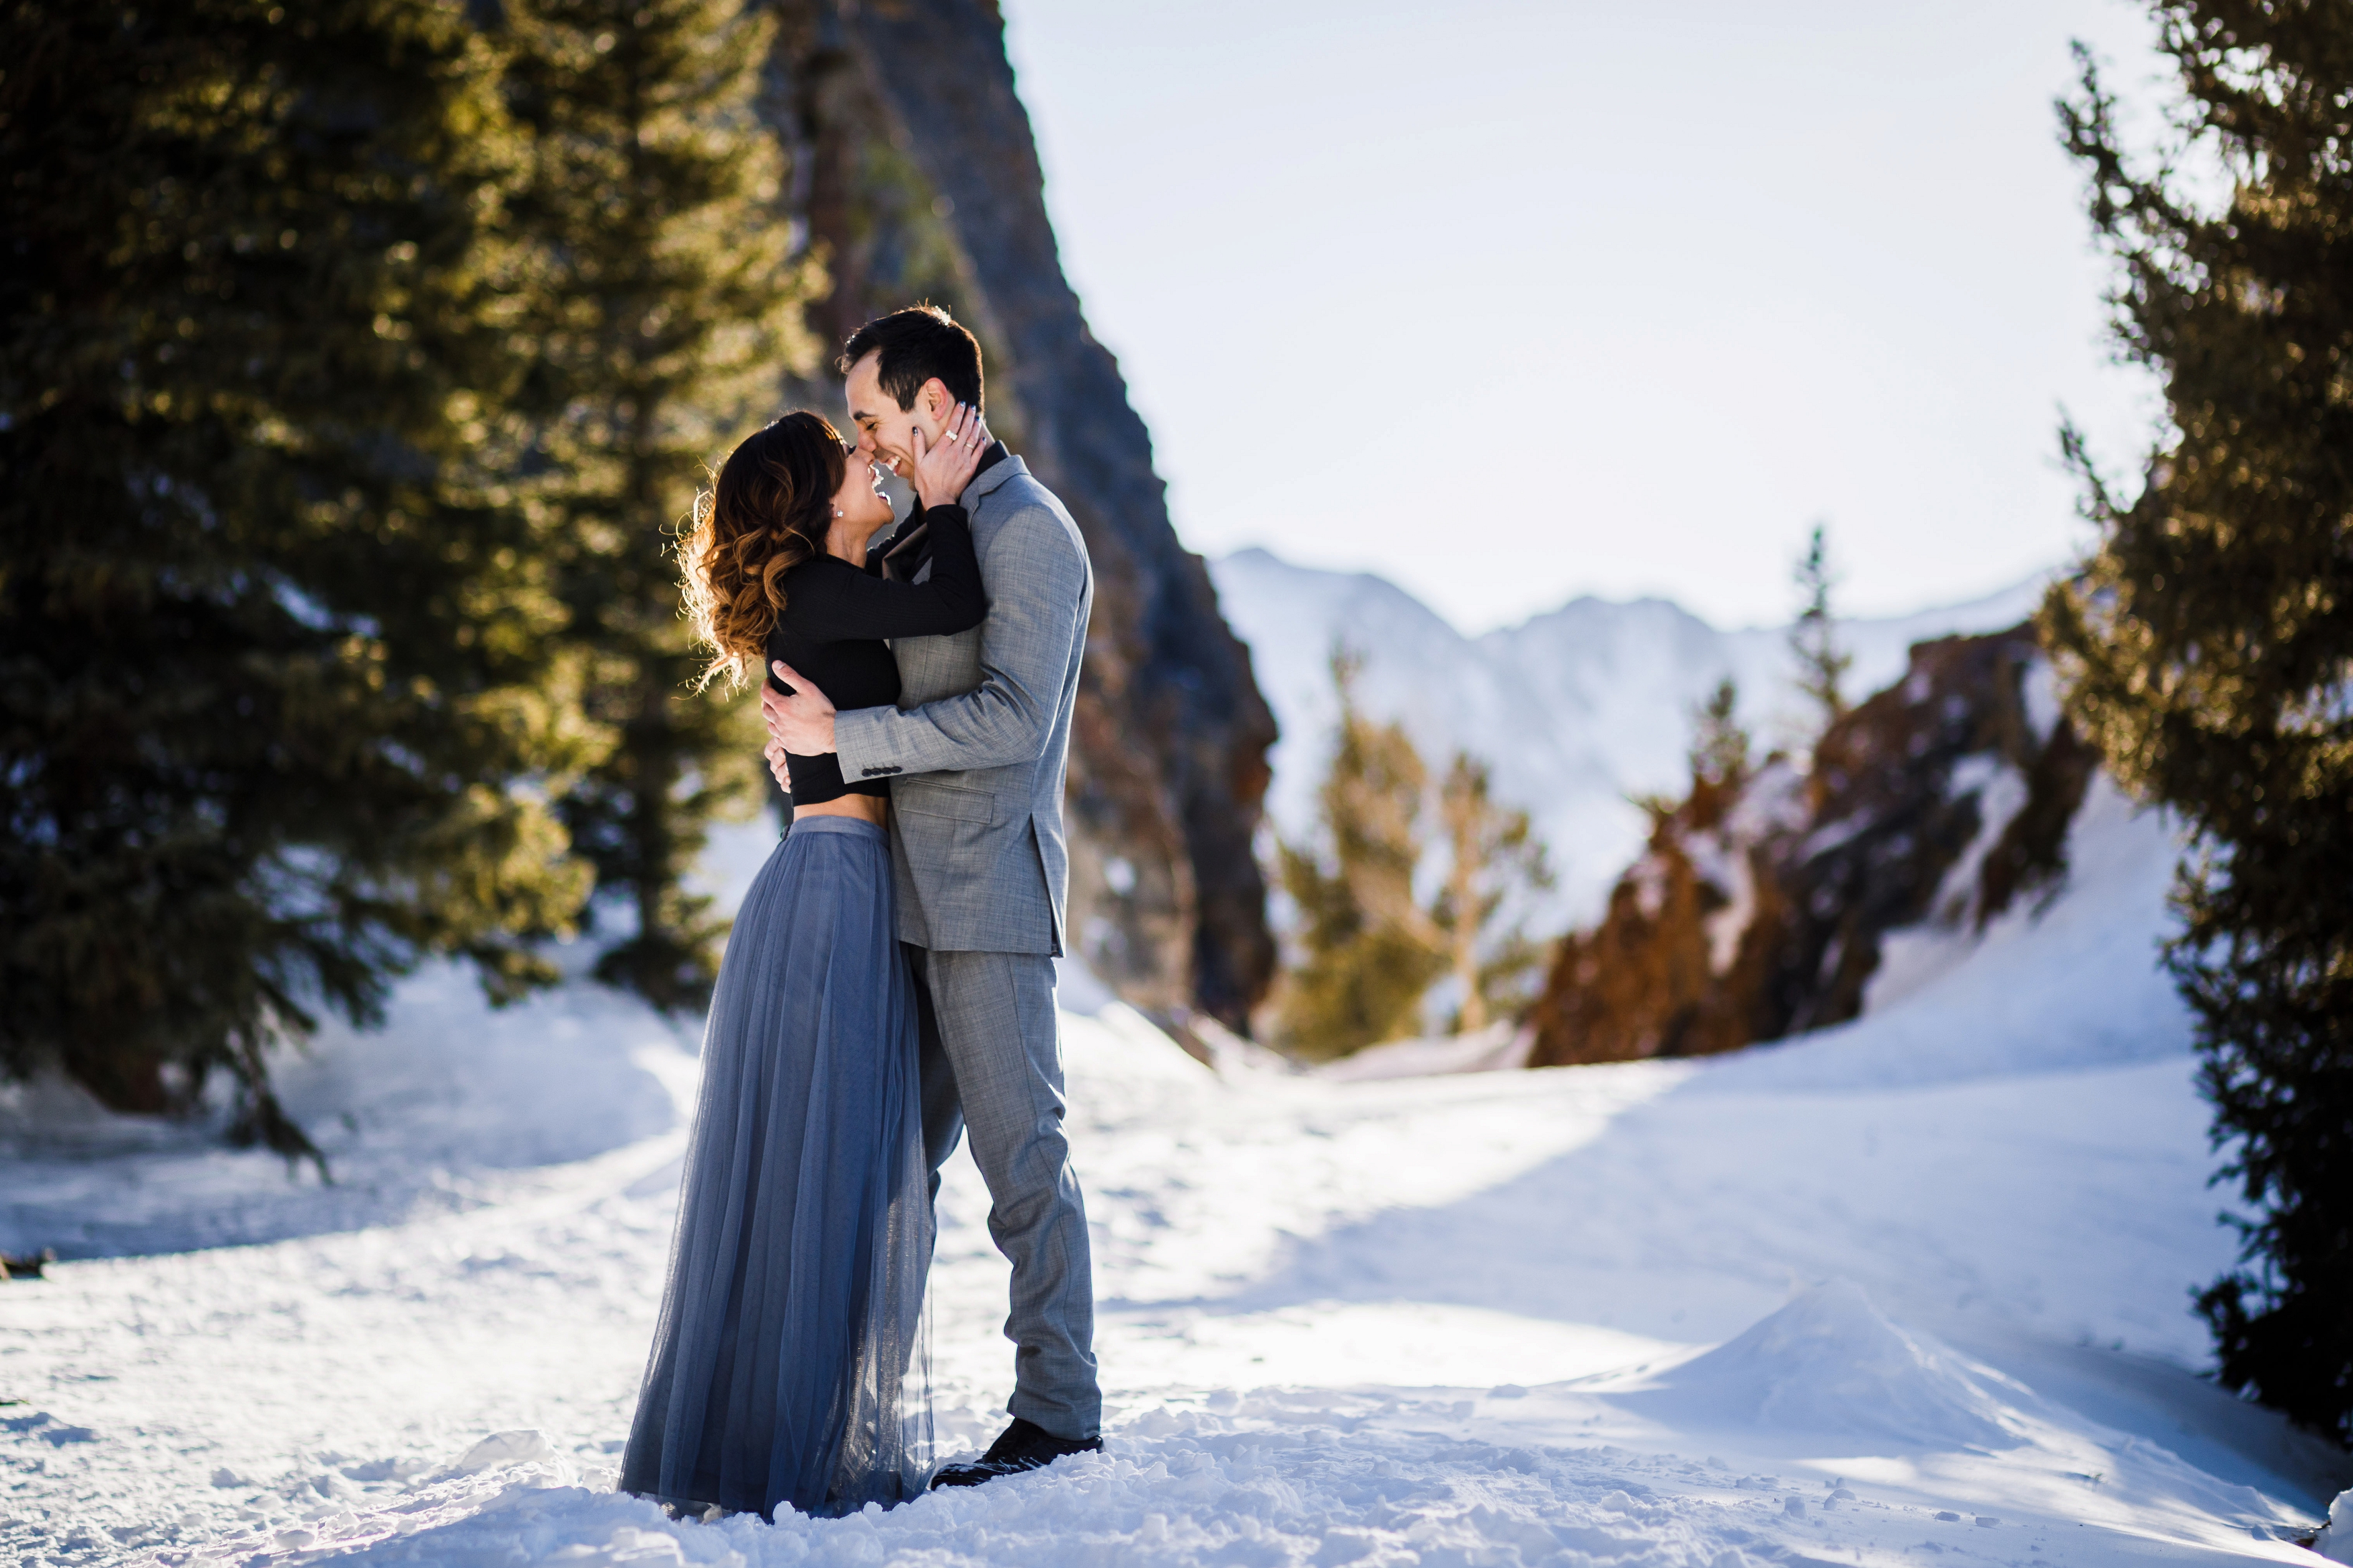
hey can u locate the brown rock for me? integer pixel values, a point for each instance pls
(1759, 910)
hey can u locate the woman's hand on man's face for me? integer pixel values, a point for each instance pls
(943, 472)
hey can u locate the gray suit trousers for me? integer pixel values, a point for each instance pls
(992, 1062)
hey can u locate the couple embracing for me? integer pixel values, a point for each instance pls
(889, 986)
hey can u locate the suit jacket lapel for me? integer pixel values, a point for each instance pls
(903, 556)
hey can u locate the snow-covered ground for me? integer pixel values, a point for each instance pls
(1912, 1290)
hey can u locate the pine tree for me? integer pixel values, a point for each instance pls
(1822, 664)
(2207, 643)
(1368, 950)
(1720, 747)
(654, 198)
(1495, 861)
(277, 701)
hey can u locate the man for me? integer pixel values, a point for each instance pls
(975, 753)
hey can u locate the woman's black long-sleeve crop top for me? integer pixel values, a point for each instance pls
(836, 616)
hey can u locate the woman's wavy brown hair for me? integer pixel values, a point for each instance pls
(766, 512)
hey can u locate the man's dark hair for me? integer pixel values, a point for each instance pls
(916, 344)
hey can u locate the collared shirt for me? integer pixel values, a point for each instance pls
(902, 556)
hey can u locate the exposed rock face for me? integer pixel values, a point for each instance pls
(915, 170)
(1760, 907)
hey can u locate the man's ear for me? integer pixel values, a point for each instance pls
(935, 401)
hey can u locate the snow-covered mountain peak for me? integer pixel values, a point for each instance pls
(1574, 710)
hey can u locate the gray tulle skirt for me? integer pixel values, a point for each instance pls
(786, 1367)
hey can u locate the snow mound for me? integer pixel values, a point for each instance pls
(563, 1076)
(524, 1446)
(2336, 1542)
(1119, 1044)
(1830, 1365)
(1498, 1048)
(451, 1102)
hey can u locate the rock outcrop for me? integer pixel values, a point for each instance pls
(1760, 907)
(915, 169)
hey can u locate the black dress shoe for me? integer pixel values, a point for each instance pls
(1024, 1446)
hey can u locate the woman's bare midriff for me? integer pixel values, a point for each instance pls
(873, 809)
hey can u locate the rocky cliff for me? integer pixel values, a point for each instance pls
(1760, 905)
(916, 176)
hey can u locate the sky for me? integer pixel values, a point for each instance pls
(1511, 302)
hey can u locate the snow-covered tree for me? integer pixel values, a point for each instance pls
(2207, 642)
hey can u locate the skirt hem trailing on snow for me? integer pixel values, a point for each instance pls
(780, 1370)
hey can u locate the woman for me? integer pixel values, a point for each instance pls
(805, 1226)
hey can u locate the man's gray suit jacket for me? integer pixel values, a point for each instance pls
(978, 747)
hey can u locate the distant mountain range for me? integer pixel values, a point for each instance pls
(1574, 710)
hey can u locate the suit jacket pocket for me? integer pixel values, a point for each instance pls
(954, 801)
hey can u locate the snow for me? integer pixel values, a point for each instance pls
(1915, 1290)
(1498, 1047)
(1575, 710)
(1828, 1368)
(2335, 1542)
(2077, 977)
